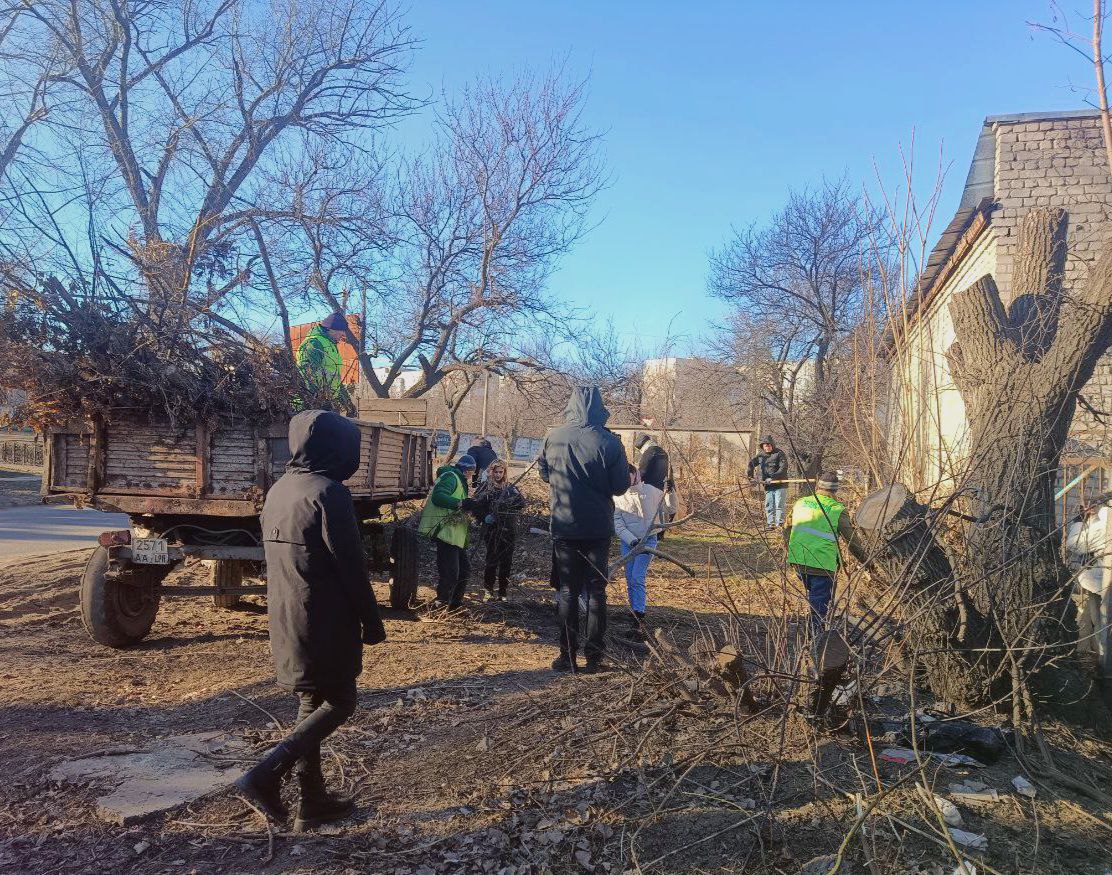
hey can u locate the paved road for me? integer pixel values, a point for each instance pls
(37, 529)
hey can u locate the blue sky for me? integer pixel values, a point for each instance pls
(713, 110)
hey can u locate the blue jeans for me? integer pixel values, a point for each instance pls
(637, 571)
(774, 506)
(820, 592)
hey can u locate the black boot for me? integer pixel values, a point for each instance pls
(262, 785)
(317, 806)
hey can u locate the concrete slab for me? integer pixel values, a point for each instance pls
(166, 774)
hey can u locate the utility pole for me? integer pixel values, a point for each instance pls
(486, 401)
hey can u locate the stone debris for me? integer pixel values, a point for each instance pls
(1024, 787)
(168, 773)
(969, 839)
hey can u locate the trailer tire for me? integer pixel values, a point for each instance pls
(226, 574)
(118, 610)
(403, 567)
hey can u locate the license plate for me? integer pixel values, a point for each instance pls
(150, 551)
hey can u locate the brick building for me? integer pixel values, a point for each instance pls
(1021, 161)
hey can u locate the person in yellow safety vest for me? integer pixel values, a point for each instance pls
(322, 366)
(817, 521)
(445, 520)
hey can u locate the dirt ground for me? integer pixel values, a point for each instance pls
(469, 755)
(18, 488)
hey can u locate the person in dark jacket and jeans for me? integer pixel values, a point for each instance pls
(483, 454)
(772, 467)
(585, 466)
(655, 469)
(321, 610)
(444, 519)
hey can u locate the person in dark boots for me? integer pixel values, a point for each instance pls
(444, 520)
(497, 504)
(585, 466)
(320, 607)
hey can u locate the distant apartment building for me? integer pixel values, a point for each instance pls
(698, 393)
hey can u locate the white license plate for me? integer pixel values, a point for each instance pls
(150, 551)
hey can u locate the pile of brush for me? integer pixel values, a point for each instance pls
(89, 358)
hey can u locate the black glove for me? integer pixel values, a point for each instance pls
(373, 631)
(467, 504)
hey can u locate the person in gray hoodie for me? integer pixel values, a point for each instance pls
(585, 466)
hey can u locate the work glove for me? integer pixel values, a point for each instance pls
(467, 504)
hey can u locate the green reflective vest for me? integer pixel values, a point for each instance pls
(320, 363)
(448, 524)
(814, 536)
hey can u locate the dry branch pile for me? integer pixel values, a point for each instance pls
(88, 359)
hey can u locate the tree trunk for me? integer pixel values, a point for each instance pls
(1019, 370)
(894, 540)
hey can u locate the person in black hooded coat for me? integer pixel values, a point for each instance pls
(320, 606)
(585, 466)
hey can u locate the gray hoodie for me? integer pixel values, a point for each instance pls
(585, 466)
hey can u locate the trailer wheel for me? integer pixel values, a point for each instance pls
(226, 574)
(403, 567)
(118, 610)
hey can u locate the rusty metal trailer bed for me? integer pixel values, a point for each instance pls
(195, 490)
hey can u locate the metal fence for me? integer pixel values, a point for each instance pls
(21, 449)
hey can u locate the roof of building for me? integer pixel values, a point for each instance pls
(975, 208)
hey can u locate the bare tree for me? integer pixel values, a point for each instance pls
(26, 85)
(171, 114)
(475, 228)
(797, 289)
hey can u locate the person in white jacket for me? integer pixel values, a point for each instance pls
(1087, 540)
(638, 515)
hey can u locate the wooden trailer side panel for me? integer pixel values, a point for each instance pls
(225, 468)
(69, 454)
(233, 456)
(151, 460)
(387, 472)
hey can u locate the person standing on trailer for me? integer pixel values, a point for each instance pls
(444, 519)
(771, 466)
(322, 367)
(585, 466)
(320, 607)
(497, 504)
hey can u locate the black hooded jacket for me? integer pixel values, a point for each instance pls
(585, 466)
(319, 600)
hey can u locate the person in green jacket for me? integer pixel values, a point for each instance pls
(322, 366)
(445, 520)
(817, 521)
